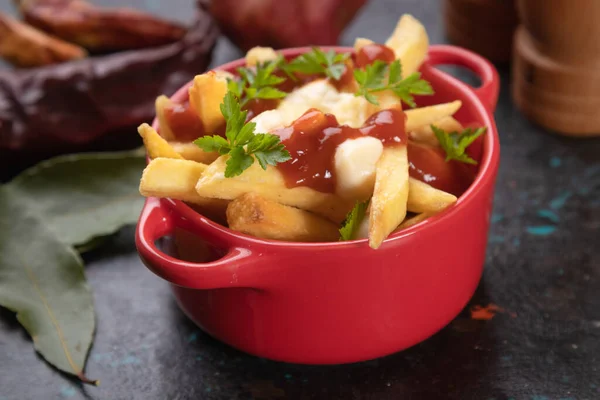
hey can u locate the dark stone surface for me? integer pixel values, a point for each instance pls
(543, 264)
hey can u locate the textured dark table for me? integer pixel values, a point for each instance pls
(543, 264)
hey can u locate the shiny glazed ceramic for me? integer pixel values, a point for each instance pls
(327, 303)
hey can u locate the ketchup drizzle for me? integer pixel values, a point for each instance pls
(372, 52)
(313, 138)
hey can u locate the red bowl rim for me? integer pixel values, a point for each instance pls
(487, 170)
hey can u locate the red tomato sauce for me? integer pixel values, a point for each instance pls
(184, 122)
(372, 52)
(428, 164)
(313, 138)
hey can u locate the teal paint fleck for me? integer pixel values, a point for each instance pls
(496, 239)
(101, 356)
(199, 358)
(129, 360)
(507, 357)
(565, 379)
(497, 218)
(561, 271)
(593, 386)
(549, 215)
(555, 162)
(67, 391)
(208, 390)
(288, 376)
(559, 201)
(542, 230)
(516, 242)
(584, 191)
(193, 337)
(591, 171)
(539, 398)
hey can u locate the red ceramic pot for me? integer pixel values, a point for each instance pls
(329, 303)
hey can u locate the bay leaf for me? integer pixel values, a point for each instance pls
(68, 202)
(42, 280)
(84, 196)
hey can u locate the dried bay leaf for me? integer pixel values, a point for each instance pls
(42, 280)
(84, 196)
(75, 200)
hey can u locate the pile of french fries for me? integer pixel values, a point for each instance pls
(257, 202)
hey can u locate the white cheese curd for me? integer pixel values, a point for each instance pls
(354, 163)
(347, 108)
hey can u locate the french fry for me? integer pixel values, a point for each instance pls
(206, 96)
(254, 215)
(359, 43)
(413, 221)
(424, 116)
(388, 204)
(259, 54)
(176, 179)
(155, 144)
(269, 184)
(410, 43)
(423, 198)
(190, 151)
(424, 134)
(165, 130)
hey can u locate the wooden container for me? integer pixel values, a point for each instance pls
(484, 26)
(556, 65)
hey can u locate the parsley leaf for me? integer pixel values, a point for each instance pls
(240, 141)
(455, 144)
(316, 61)
(258, 83)
(371, 80)
(353, 219)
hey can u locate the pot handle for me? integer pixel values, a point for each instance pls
(454, 55)
(231, 270)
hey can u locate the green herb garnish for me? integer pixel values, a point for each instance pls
(240, 141)
(371, 80)
(353, 220)
(455, 143)
(316, 61)
(258, 83)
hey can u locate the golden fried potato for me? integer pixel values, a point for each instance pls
(190, 151)
(388, 204)
(159, 105)
(155, 144)
(413, 220)
(267, 219)
(417, 118)
(410, 43)
(425, 135)
(206, 96)
(176, 179)
(423, 198)
(269, 184)
(259, 54)
(359, 43)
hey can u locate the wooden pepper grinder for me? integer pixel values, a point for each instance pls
(556, 65)
(484, 26)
